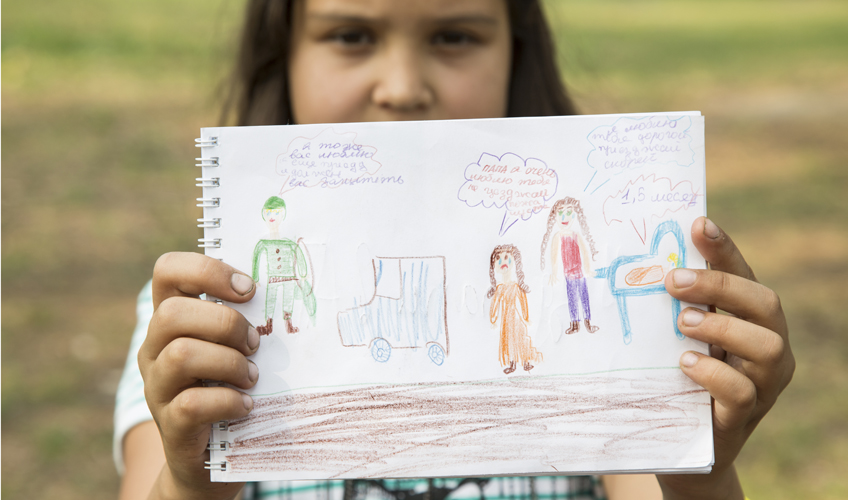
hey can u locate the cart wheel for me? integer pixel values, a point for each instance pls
(437, 354)
(381, 350)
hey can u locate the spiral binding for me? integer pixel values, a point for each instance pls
(209, 242)
(210, 182)
(209, 202)
(210, 223)
(206, 162)
(218, 446)
(216, 466)
(224, 445)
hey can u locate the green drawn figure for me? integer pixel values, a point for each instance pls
(287, 268)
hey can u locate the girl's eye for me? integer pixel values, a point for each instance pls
(452, 38)
(353, 38)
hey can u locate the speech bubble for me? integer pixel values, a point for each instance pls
(329, 160)
(631, 143)
(649, 196)
(520, 187)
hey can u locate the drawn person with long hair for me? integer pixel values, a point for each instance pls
(568, 247)
(509, 306)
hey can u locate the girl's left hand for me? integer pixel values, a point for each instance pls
(750, 363)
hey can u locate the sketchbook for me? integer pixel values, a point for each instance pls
(461, 298)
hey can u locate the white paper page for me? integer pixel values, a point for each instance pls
(383, 262)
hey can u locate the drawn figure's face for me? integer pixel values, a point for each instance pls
(387, 60)
(273, 217)
(504, 265)
(565, 215)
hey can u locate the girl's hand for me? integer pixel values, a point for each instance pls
(190, 340)
(750, 363)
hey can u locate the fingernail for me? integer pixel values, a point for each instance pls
(684, 278)
(252, 371)
(252, 338)
(711, 231)
(248, 402)
(242, 284)
(689, 359)
(693, 317)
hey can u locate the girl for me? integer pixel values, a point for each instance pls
(307, 61)
(568, 246)
(509, 305)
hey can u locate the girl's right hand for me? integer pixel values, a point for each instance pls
(188, 341)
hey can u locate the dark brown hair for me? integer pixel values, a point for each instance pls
(519, 272)
(259, 90)
(559, 205)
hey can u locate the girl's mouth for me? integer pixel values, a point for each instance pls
(504, 266)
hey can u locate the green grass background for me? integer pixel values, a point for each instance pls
(101, 100)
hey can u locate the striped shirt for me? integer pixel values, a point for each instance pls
(131, 409)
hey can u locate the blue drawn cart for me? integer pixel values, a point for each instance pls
(622, 264)
(408, 310)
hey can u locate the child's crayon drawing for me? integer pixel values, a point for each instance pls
(287, 269)
(520, 187)
(398, 430)
(509, 309)
(407, 310)
(474, 338)
(634, 142)
(650, 275)
(567, 235)
(646, 198)
(639, 274)
(330, 160)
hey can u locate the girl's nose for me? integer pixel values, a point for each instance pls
(402, 85)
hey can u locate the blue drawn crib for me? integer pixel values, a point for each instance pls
(408, 309)
(620, 264)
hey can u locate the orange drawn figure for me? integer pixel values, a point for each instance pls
(509, 305)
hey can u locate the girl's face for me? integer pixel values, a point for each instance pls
(504, 265)
(384, 60)
(566, 215)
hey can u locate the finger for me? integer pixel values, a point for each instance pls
(719, 250)
(193, 409)
(735, 394)
(744, 298)
(199, 319)
(185, 361)
(718, 353)
(186, 274)
(742, 338)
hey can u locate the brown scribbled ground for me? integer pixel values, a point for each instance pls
(406, 430)
(101, 101)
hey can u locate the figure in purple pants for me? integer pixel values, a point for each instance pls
(568, 247)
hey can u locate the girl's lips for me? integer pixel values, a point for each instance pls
(504, 266)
